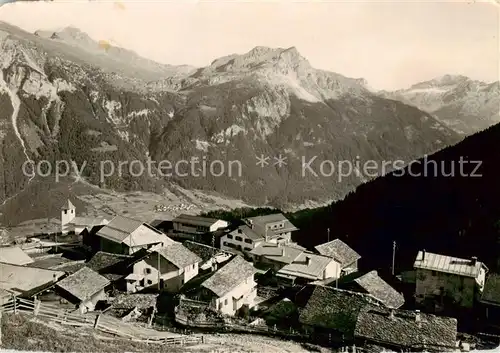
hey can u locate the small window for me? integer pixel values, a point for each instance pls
(65, 211)
(225, 301)
(147, 271)
(434, 273)
(220, 305)
(248, 241)
(194, 265)
(239, 238)
(150, 282)
(247, 249)
(229, 236)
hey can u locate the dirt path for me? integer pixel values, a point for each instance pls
(251, 343)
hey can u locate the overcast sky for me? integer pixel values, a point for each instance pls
(391, 44)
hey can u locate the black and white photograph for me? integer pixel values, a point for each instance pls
(276, 176)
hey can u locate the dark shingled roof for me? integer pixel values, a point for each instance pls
(179, 255)
(338, 250)
(335, 309)
(491, 291)
(403, 329)
(205, 252)
(83, 284)
(380, 289)
(103, 260)
(230, 276)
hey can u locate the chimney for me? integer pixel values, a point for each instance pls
(308, 260)
(423, 255)
(417, 315)
(282, 251)
(239, 231)
(473, 261)
(391, 314)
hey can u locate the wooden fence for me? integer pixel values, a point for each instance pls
(101, 322)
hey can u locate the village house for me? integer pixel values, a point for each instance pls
(211, 257)
(125, 236)
(189, 224)
(400, 330)
(275, 255)
(342, 253)
(14, 255)
(490, 300)
(25, 281)
(444, 279)
(309, 267)
(330, 314)
(84, 288)
(169, 268)
(274, 228)
(133, 307)
(371, 283)
(231, 288)
(115, 267)
(70, 223)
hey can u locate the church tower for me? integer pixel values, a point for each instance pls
(68, 213)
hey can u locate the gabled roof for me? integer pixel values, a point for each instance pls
(491, 291)
(248, 232)
(301, 268)
(68, 206)
(447, 264)
(83, 284)
(282, 253)
(195, 220)
(229, 276)
(380, 289)
(14, 255)
(338, 250)
(270, 218)
(119, 228)
(335, 309)
(130, 232)
(403, 329)
(179, 255)
(104, 260)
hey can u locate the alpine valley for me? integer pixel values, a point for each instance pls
(64, 96)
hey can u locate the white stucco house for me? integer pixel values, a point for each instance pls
(231, 287)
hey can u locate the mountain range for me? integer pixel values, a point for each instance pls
(464, 105)
(65, 96)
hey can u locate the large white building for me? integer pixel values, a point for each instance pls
(274, 228)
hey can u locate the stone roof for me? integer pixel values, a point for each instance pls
(179, 255)
(403, 329)
(491, 291)
(380, 289)
(103, 260)
(335, 309)
(339, 251)
(205, 252)
(447, 264)
(83, 284)
(229, 276)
